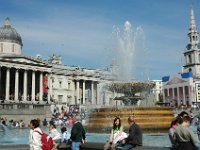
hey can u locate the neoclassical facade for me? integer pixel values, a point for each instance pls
(34, 80)
(184, 88)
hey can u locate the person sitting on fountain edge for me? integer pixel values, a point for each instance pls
(184, 136)
(134, 138)
(116, 134)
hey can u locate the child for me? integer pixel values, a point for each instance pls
(53, 132)
(65, 135)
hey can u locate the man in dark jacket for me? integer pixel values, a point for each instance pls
(135, 136)
(77, 134)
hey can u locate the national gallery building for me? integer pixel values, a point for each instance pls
(34, 80)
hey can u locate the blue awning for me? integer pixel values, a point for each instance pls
(165, 79)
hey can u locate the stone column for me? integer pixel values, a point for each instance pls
(178, 96)
(0, 84)
(98, 87)
(16, 85)
(173, 94)
(77, 91)
(190, 94)
(50, 87)
(168, 93)
(83, 92)
(41, 87)
(33, 86)
(92, 92)
(48, 90)
(164, 96)
(25, 86)
(98, 94)
(7, 84)
(184, 101)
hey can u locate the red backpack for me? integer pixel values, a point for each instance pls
(47, 141)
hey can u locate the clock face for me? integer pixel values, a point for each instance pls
(188, 46)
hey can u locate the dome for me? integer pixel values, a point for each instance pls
(7, 33)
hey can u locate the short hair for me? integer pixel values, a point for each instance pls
(63, 129)
(52, 126)
(77, 117)
(35, 123)
(187, 119)
(131, 118)
(178, 120)
(183, 113)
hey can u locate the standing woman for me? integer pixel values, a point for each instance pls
(34, 136)
(116, 133)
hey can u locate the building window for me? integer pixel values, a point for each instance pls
(69, 85)
(60, 97)
(190, 58)
(193, 38)
(1, 47)
(199, 57)
(13, 48)
(60, 84)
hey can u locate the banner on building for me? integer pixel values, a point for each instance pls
(198, 91)
(45, 84)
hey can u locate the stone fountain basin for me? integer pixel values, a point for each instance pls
(149, 118)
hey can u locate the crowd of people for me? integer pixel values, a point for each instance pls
(12, 123)
(74, 135)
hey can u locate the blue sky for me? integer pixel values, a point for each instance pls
(80, 30)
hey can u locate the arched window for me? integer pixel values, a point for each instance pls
(190, 59)
(190, 70)
(193, 38)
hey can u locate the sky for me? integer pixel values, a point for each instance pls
(81, 31)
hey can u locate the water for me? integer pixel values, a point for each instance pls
(20, 136)
(130, 46)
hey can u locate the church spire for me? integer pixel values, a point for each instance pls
(193, 35)
(192, 51)
(192, 21)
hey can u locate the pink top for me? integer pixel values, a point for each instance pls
(70, 122)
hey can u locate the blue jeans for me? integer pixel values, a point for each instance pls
(75, 145)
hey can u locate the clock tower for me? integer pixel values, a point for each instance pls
(192, 51)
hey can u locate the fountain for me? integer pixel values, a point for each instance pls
(128, 47)
(151, 118)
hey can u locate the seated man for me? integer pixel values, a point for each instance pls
(134, 138)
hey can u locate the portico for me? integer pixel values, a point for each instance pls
(22, 82)
(86, 91)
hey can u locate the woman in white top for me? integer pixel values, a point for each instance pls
(34, 136)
